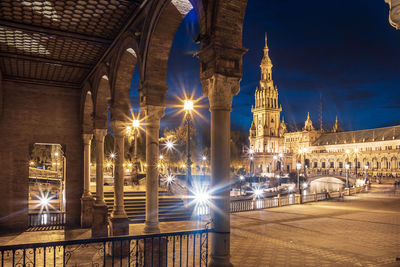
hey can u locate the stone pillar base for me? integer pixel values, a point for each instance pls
(347, 191)
(100, 221)
(86, 211)
(219, 261)
(151, 228)
(119, 226)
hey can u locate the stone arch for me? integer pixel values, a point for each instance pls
(161, 27)
(102, 97)
(87, 110)
(122, 69)
(384, 162)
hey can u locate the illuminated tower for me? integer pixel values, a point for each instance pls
(266, 130)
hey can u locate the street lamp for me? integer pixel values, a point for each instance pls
(275, 167)
(136, 125)
(298, 165)
(251, 152)
(356, 152)
(241, 177)
(347, 175)
(188, 107)
(366, 174)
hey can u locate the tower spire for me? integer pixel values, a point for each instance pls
(266, 45)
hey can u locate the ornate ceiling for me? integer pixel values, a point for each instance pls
(58, 41)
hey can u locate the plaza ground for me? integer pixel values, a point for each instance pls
(361, 230)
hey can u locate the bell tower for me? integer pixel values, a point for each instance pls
(266, 112)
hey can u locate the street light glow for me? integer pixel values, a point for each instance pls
(298, 165)
(56, 154)
(204, 158)
(275, 157)
(135, 123)
(188, 105)
(112, 155)
(305, 185)
(169, 144)
(347, 151)
(347, 166)
(366, 167)
(251, 151)
(241, 177)
(281, 155)
(161, 156)
(356, 150)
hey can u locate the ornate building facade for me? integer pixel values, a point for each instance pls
(274, 149)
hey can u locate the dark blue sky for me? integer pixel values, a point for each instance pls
(344, 53)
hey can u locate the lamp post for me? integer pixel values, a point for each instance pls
(136, 125)
(347, 175)
(356, 152)
(366, 174)
(112, 157)
(281, 162)
(251, 152)
(275, 167)
(241, 177)
(298, 165)
(188, 107)
(204, 158)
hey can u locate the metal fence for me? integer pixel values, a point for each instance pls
(188, 248)
(46, 219)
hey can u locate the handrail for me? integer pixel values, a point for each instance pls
(102, 239)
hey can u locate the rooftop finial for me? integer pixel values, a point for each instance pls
(266, 39)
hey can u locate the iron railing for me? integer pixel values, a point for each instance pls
(189, 248)
(46, 219)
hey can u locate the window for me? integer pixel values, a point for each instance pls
(340, 165)
(315, 164)
(323, 165)
(332, 165)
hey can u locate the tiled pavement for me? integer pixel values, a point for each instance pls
(362, 230)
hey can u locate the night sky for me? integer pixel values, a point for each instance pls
(344, 54)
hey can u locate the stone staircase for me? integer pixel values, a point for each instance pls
(171, 208)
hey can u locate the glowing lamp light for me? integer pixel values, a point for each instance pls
(298, 165)
(108, 165)
(356, 150)
(161, 156)
(130, 165)
(275, 157)
(251, 158)
(31, 162)
(251, 151)
(281, 155)
(188, 105)
(241, 177)
(305, 185)
(258, 192)
(170, 178)
(204, 158)
(347, 166)
(366, 167)
(347, 151)
(112, 155)
(128, 129)
(183, 166)
(127, 170)
(202, 197)
(158, 165)
(44, 201)
(291, 188)
(56, 154)
(135, 123)
(169, 144)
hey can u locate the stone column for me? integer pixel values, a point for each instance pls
(220, 91)
(86, 199)
(100, 212)
(119, 219)
(153, 117)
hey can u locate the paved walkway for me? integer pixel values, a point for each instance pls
(362, 230)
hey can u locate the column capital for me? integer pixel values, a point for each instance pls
(220, 90)
(118, 127)
(394, 13)
(87, 138)
(153, 114)
(99, 134)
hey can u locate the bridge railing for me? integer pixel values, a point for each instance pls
(189, 248)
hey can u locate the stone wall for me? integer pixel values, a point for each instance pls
(37, 114)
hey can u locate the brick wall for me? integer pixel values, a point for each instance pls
(37, 114)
